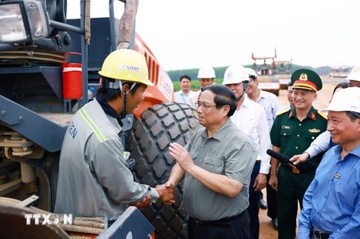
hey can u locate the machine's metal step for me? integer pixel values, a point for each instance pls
(29, 55)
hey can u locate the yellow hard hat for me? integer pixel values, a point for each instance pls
(126, 65)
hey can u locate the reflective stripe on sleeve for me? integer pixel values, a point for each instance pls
(99, 135)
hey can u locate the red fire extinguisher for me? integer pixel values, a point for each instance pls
(72, 78)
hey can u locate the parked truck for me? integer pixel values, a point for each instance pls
(48, 62)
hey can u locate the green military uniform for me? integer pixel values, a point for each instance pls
(293, 137)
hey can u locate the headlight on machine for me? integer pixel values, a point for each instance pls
(23, 21)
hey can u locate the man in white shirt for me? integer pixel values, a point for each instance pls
(182, 95)
(267, 100)
(250, 118)
(270, 103)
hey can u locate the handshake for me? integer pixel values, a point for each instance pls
(166, 195)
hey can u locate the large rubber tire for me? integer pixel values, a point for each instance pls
(157, 127)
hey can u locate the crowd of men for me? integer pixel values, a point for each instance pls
(225, 164)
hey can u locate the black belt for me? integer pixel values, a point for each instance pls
(321, 235)
(258, 161)
(219, 223)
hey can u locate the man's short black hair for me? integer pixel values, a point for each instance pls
(223, 96)
(186, 77)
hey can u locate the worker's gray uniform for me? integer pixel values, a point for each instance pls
(229, 152)
(93, 176)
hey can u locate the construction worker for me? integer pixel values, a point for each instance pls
(94, 179)
(182, 95)
(331, 203)
(216, 173)
(292, 132)
(270, 103)
(206, 76)
(250, 117)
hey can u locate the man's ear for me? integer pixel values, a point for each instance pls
(226, 109)
(125, 87)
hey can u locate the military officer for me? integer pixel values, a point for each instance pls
(292, 132)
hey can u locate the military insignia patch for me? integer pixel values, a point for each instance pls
(313, 130)
(313, 116)
(303, 77)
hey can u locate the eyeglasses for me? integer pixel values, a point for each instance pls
(204, 105)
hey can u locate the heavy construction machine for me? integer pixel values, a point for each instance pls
(48, 61)
(283, 72)
(273, 74)
(339, 72)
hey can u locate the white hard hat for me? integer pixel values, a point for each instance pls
(355, 73)
(346, 100)
(235, 74)
(206, 72)
(251, 72)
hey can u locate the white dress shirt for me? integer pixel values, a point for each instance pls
(193, 98)
(251, 119)
(320, 144)
(181, 97)
(271, 106)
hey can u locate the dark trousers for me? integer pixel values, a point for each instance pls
(271, 199)
(253, 208)
(291, 190)
(234, 228)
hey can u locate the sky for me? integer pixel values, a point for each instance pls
(194, 33)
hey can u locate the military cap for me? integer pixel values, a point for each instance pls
(306, 79)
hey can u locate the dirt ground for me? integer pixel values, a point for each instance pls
(266, 229)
